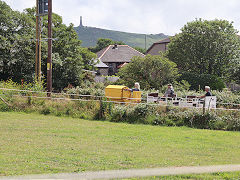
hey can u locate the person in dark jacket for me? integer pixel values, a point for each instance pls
(170, 91)
(208, 92)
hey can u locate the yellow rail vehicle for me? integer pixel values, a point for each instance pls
(122, 94)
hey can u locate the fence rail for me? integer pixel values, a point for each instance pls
(72, 97)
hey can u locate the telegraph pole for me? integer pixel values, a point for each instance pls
(38, 44)
(49, 60)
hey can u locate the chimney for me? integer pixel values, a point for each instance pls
(81, 23)
(115, 46)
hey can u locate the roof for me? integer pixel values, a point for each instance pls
(122, 65)
(118, 53)
(115, 87)
(100, 64)
(163, 41)
(167, 40)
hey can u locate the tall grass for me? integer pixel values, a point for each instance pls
(89, 108)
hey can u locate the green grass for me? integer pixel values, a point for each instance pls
(34, 144)
(213, 176)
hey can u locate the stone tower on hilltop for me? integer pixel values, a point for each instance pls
(81, 23)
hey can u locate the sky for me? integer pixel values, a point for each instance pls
(140, 16)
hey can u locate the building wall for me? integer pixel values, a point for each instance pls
(113, 68)
(101, 79)
(158, 47)
(102, 72)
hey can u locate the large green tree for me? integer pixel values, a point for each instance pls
(16, 44)
(17, 48)
(104, 42)
(150, 71)
(206, 47)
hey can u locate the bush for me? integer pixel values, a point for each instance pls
(140, 113)
(202, 80)
(149, 71)
(105, 110)
(132, 114)
(86, 91)
(119, 114)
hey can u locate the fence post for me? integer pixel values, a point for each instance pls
(204, 102)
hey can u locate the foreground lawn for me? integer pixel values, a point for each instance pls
(33, 144)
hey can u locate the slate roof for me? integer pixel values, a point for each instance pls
(123, 53)
(167, 40)
(100, 64)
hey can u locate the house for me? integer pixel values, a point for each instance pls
(157, 47)
(102, 69)
(116, 56)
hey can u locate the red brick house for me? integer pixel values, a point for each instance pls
(115, 56)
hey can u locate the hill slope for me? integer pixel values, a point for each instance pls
(90, 35)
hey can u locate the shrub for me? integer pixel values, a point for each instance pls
(150, 71)
(202, 80)
(119, 113)
(4, 107)
(46, 110)
(105, 110)
(140, 113)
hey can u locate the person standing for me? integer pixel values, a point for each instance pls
(170, 91)
(208, 92)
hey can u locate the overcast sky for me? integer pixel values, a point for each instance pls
(140, 16)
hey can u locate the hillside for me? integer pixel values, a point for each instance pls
(90, 35)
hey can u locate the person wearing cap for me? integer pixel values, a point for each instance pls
(208, 93)
(170, 91)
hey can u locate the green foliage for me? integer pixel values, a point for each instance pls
(150, 72)
(69, 58)
(142, 50)
(196, 119)
(129, 114)
(17, 49)
(178, 86)
(236, 75)
(206, 47)
(226, 96)
(87, 88)
(202, 80)
(103, 110)
(102, 43)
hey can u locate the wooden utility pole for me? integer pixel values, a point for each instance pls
(49, 60)
(38, 44)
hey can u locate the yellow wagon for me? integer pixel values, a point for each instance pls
(121, 94)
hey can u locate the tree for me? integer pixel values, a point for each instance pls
(142, 50)
(102, 43)
(236, 75)
(17, 49)
(206, 47)
(150, 71)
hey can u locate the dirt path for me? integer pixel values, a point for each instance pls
(114, 174)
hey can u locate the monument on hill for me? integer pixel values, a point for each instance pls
(81, 23)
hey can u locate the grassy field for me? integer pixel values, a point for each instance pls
(34, 144)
